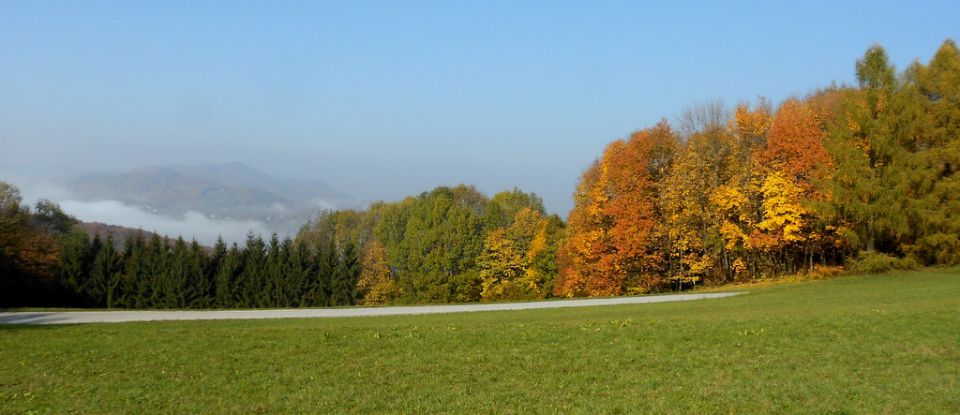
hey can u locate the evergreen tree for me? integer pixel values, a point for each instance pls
(134, 251)
(272, 291)
(198, 286)
(344, 277)
(250, 282)
(105, 274)
(292, 275)
(150, 291)
(227, 271)
(210, 273)
(75, 262)
(326, 260)
(176, 278)
(302, 269)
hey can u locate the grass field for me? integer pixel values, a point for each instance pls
(873, 345)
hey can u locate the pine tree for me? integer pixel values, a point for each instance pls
(227, 271)
(176, 277)
(75, 265)
(210, 274)
(272, 294)
(344, 277)
(292, 274)
(326, 260)
(133, 270)
(105, 274)
(250, 281)
(150, 291)
(197, 288)
(307, 266)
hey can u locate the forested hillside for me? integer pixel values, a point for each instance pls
(861, 176)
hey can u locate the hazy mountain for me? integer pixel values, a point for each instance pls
(239, 175)
(227, 191)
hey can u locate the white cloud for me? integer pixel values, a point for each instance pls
(193, 225)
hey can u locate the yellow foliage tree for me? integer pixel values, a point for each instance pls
(508, 263)
(376, 285)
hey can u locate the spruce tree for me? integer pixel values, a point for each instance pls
(176, 277)
(210, 272)
(75, 265)
(250, 281)
(150, 292)
(133, 270)
(294, 273)
(105, 274)
(227, 270)
(325, 258)
(344, 276)
(272, 290)
(198, 287)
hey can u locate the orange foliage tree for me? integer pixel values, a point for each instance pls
(608, 250)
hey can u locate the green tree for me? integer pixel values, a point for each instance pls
(433, 241)
(105, 275)
(932, 184)
(250, 284)
(276, 266)
(177, 276)
(198, 286)
(134, 267)
(865, 151)
(150, 290)
(209, 295)
(344, 277)
(295, 274)
(227, 271)
(75, 262)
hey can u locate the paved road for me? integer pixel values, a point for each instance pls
(76, 317)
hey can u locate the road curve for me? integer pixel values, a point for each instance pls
(79, 317)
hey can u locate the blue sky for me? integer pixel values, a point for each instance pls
(387, 99)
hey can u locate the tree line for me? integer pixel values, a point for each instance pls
(861, 176)
(47, 260)
(452, 244)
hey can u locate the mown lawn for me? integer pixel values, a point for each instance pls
(873, 345)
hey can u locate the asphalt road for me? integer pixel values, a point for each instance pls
(79, 317)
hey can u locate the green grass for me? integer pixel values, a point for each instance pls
(873, 345)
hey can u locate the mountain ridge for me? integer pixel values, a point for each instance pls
(232, 190)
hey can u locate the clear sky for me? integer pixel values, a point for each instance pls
(387, 99)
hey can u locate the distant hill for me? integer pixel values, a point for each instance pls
(120, 233)
(226, 191)
(239, 175)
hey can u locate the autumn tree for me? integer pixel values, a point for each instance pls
(933, 182)
(512, 264)
(586, 237)
(794, 161)
(864, 148)
(376, 284)
(610, 245)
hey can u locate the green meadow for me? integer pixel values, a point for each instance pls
(883, 344)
